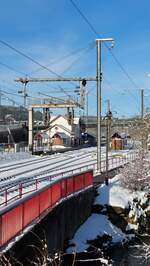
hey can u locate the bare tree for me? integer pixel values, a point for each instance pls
(136, 174)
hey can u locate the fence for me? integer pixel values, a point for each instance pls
(13, 147)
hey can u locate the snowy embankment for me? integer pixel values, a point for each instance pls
(99, 224)
(116, 195)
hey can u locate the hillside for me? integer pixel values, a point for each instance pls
(17, 113)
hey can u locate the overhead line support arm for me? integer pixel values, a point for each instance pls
(26, 80)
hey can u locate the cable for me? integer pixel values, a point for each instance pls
(66, 93)
(97, 34)
(12, 69)
(6, 97)
(28, 57)
(66, 56)
(7, 88)
(31, 59)
(109, 84)
(8, 84)
(77, 59)
(6, 92)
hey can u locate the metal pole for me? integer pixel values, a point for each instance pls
(87, 109)
(142, 103)
(25, 95)
(0, 97)
(107, 148)
(30, 129)
(107, 139)
(109, 123)
(98, 79)
(142, 116)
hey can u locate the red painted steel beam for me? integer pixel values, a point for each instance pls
(15, 220)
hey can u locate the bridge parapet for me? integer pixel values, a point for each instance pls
(16, 217)
(27, 203)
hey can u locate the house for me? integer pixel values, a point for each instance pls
(61, 133)
(117, 142)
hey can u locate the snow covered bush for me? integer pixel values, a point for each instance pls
(136, 174)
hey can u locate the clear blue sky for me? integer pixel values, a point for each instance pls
(47, 30)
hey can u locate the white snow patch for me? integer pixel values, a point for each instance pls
(95, 225)
(132, 226)
(116, 195)
(113, 194)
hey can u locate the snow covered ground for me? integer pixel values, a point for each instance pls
(96, 225)
(116, 195)
(99, 224)
(6, 157)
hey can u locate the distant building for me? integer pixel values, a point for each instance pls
(60, 134)
(9, 119)
(120, 141)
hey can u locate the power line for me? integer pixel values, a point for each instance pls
(67, 56)
(28, 57)
(113, 55)
(8, 88)
(9, 83)
(66, 93)
(7, 92)
(11, 68)
(3, 93)
(97, 34)
(133, 96)
(77, 59)
(31, 59)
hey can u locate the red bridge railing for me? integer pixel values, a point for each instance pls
(29, 200)
(15, 218)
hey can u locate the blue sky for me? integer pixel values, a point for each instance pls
(47, 30)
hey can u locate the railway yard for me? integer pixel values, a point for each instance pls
(21, 177)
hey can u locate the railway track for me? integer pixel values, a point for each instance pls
(30, 173)
(50, 164)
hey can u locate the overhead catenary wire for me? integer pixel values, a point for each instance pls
(83, 49)
(3, 93)
(53, 72)
(91, 46)
(98, 35)
(15, 94)
(32, 60)
(7, 92)
(12, 69)
(79, 58)
(7, 83)
(29, 58)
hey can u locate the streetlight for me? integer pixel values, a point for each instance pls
(99, 81)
